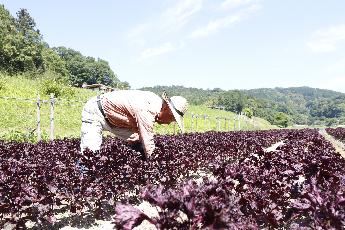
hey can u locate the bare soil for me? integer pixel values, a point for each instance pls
(338, 145)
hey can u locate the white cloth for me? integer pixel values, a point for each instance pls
(93, 123)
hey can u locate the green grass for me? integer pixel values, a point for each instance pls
(195, 121)
(19, 117)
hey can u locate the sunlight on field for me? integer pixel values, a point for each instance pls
(18, 109)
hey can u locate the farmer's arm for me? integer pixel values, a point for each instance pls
(145, 121)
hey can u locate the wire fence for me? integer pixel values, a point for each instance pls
(52, 117)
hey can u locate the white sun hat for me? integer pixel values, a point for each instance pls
(178, 106)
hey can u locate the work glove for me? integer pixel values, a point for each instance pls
(138, 147)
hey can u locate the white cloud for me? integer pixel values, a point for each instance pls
(162, 27)
(326, 40)
(134, 35)
(231, 4)
(183, 11)
(156, 51)
(136, 31)
(166, 21)
(221, 23)
(215, 25)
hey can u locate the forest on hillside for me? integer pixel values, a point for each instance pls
(280, 106)
(23, 51)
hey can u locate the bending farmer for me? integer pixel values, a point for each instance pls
(130, 115)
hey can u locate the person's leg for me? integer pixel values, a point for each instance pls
(91, 136)
(91, 128)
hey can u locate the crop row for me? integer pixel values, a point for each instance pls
(337, 133)
(40, 181)
(301, 185)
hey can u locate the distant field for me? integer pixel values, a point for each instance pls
(19, 117)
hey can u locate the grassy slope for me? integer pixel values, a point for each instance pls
(19, 118)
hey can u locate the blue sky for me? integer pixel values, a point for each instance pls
(227, 44)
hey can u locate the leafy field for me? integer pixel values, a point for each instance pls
(19, 117)
(337, 133)
(300, 184)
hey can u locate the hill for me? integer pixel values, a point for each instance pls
(305, 105)
(295, 105)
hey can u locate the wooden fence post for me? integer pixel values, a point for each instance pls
(218, 124)
(239, 121)
(204, 115)
(192, 122)
(38, 118)
(245, 125)
(51, 116)
(196, 122)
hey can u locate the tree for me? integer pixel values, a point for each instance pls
(329, 108)
(123, 85)
(25, 23)
(30, 57)
(20, 43)
(53, 62)
(8, 41)
(331, 122)
(233, 101)
(86, 69)
(282, 120)
(248, 112)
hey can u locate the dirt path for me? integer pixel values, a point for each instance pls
(338, 145)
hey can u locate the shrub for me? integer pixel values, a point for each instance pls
(51, 86)
(68, 92)
(52, 83)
